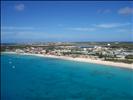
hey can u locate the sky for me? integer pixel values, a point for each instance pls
(66, 21)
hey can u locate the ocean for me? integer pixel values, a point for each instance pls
(37, 78)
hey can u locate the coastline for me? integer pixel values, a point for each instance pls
(88, 60)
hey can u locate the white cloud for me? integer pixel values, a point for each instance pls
(124, 30)
(16, 28)
(60, 25)
(121, 30)
(82, 29)
(19, 7)
(111, 25)
(21, 34)
(95, 27)
(33, 35)
(126, 11)
(103, 11)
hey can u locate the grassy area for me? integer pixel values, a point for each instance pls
(120, 60)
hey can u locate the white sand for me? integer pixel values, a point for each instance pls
(115, 64)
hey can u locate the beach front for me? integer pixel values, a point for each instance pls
(87, 60)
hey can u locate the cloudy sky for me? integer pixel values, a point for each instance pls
(66, 21)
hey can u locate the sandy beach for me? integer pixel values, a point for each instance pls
(88, 60)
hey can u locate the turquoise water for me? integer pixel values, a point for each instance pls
(37, 78)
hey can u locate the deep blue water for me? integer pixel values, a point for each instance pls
(37, 78)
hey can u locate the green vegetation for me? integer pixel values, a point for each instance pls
(120, 60)
(129, 57)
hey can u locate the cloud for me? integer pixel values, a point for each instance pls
(82, 29)
(21, 34)
(19, 7)
(121, 30)
(60, 25)
(124, 30)
(103, 11)
(111, 25)
(16, 28)
(32, 35)
(125, 11)
(95, 27)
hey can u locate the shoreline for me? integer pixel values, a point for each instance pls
(87, 60)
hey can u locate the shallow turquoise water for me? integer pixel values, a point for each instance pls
(37, 78)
